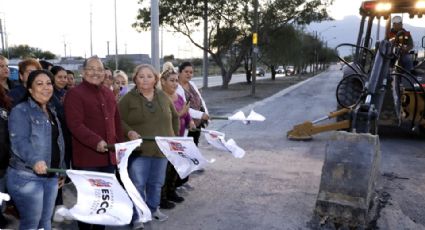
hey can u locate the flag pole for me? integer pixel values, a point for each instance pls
(219, 118)
(55, 170)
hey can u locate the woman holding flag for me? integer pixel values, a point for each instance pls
(198, 109)
(37, 144)
(169, 84)
(147, 111)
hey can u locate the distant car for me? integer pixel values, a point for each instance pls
(260, 72)
(280, 70)
(14, 73)
(290, 70)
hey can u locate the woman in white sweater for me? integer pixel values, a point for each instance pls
(198, 109)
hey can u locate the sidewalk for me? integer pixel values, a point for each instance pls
(238, 95)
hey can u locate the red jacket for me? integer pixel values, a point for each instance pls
(92, 115)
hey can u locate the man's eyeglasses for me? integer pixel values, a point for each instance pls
(93, 70)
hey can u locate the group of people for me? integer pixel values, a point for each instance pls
(48, 121)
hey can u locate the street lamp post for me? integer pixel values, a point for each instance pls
(205, 61)
(254, 47)
(91, 31)
(155, 34)
(4, 36)
(116, 35)
(316, 52)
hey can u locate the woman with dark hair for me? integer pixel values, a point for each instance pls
(70, 77)
(198, 109)
(5, 105)
(36, 144)
(59, 84)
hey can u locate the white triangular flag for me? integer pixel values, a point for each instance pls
(253, 116)
(239, 116)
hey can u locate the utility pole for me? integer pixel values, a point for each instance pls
(64, 46)
(2, 37)
(155, 34)
(107, 47)
(315, 53)
(6, 42)
(162, 43)
(91, 32)
(69, 48)
(116, 35)
(254, 47)
(205, 61)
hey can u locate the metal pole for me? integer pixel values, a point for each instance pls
(116, 35)
(162, 43)
(254, 48)
(2, 38)
(205, 61)
(91, 32)
(378, 29)
(6, 43)
(107, 47)
(155, 33)
(64, 46)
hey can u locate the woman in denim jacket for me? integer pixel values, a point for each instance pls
(36, 144)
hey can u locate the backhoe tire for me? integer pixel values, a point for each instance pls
(348, 93)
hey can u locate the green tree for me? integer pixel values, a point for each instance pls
(230, 24)
(168, 58)
(280, 46)
(25, 51)
(124, 64)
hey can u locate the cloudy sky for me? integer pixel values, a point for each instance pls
(50, 24)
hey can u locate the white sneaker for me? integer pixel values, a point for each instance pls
(138, 225)
(159, 216)
(57, 217)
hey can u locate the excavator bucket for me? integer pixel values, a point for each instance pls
(348, 179)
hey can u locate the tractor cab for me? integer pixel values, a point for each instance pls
(382, 11)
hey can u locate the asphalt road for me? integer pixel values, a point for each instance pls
(217, 80)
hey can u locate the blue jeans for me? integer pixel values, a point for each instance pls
(34, 196)
(2, 189)
(148, 175)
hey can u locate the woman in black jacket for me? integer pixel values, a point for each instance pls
(5, 105)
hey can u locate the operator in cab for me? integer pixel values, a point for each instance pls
(401, 36)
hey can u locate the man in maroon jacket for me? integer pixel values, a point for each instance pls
(92, 116)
